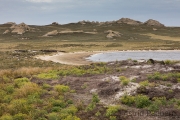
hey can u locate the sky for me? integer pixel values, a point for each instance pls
(43, 12)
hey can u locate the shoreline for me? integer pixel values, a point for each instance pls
(79, 58)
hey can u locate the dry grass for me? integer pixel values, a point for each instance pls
(153, 36)
(24, 71)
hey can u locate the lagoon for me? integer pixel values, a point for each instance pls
(135, 55)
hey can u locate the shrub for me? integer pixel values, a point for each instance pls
(91, 106)
(9, 89)
(71, 117)
(49, 75)
(168, 62)
(124, 80)
(144, 83)
(20, 81)
(6, 117)
(112, 118)
(20, 116)
(59, 103)
(53, 116)
(128, 100)
(158, 102)
(70, 110)
(27, 89)
(142, 101)
(95, 98)
(19, 106)
(61, 88)
(112, 110)
(46, 86)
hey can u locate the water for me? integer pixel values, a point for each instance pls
(135, 55)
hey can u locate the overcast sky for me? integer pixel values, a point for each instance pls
(41, 12)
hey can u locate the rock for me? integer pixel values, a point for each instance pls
(7, 31)
(20, 28)
(112, 34)
(55, 23)
(52, 33)
(154, 29)
(82, 22)
(128, 21)
(152, 22)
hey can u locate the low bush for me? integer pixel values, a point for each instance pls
(27, 89)
(142, 101)
(111, 110)
(128, 100)
(20, 81)
(61, 89)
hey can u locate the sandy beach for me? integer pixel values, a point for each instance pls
(72, 58)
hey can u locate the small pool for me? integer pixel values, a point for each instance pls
(135, 55)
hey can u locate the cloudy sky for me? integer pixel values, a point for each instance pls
(41, 12)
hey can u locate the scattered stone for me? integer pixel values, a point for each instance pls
(152, 22)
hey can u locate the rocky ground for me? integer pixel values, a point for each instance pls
(110, 90)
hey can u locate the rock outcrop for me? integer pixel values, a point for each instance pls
(7, 31)
(152, 22)
(55, 23)
(52, 33)
(128, 21)
(20, 28)
(112, 34)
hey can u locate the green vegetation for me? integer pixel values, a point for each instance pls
(164, 77)
(140, 101)
(124, 81)
(30, 88)
(94, 101)
(111, 110)
(144, 83)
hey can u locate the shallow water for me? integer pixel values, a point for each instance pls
(135, 55)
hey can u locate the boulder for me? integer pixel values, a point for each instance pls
(152, 22)
(52, 33)
(128, 21)
(7, 31)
